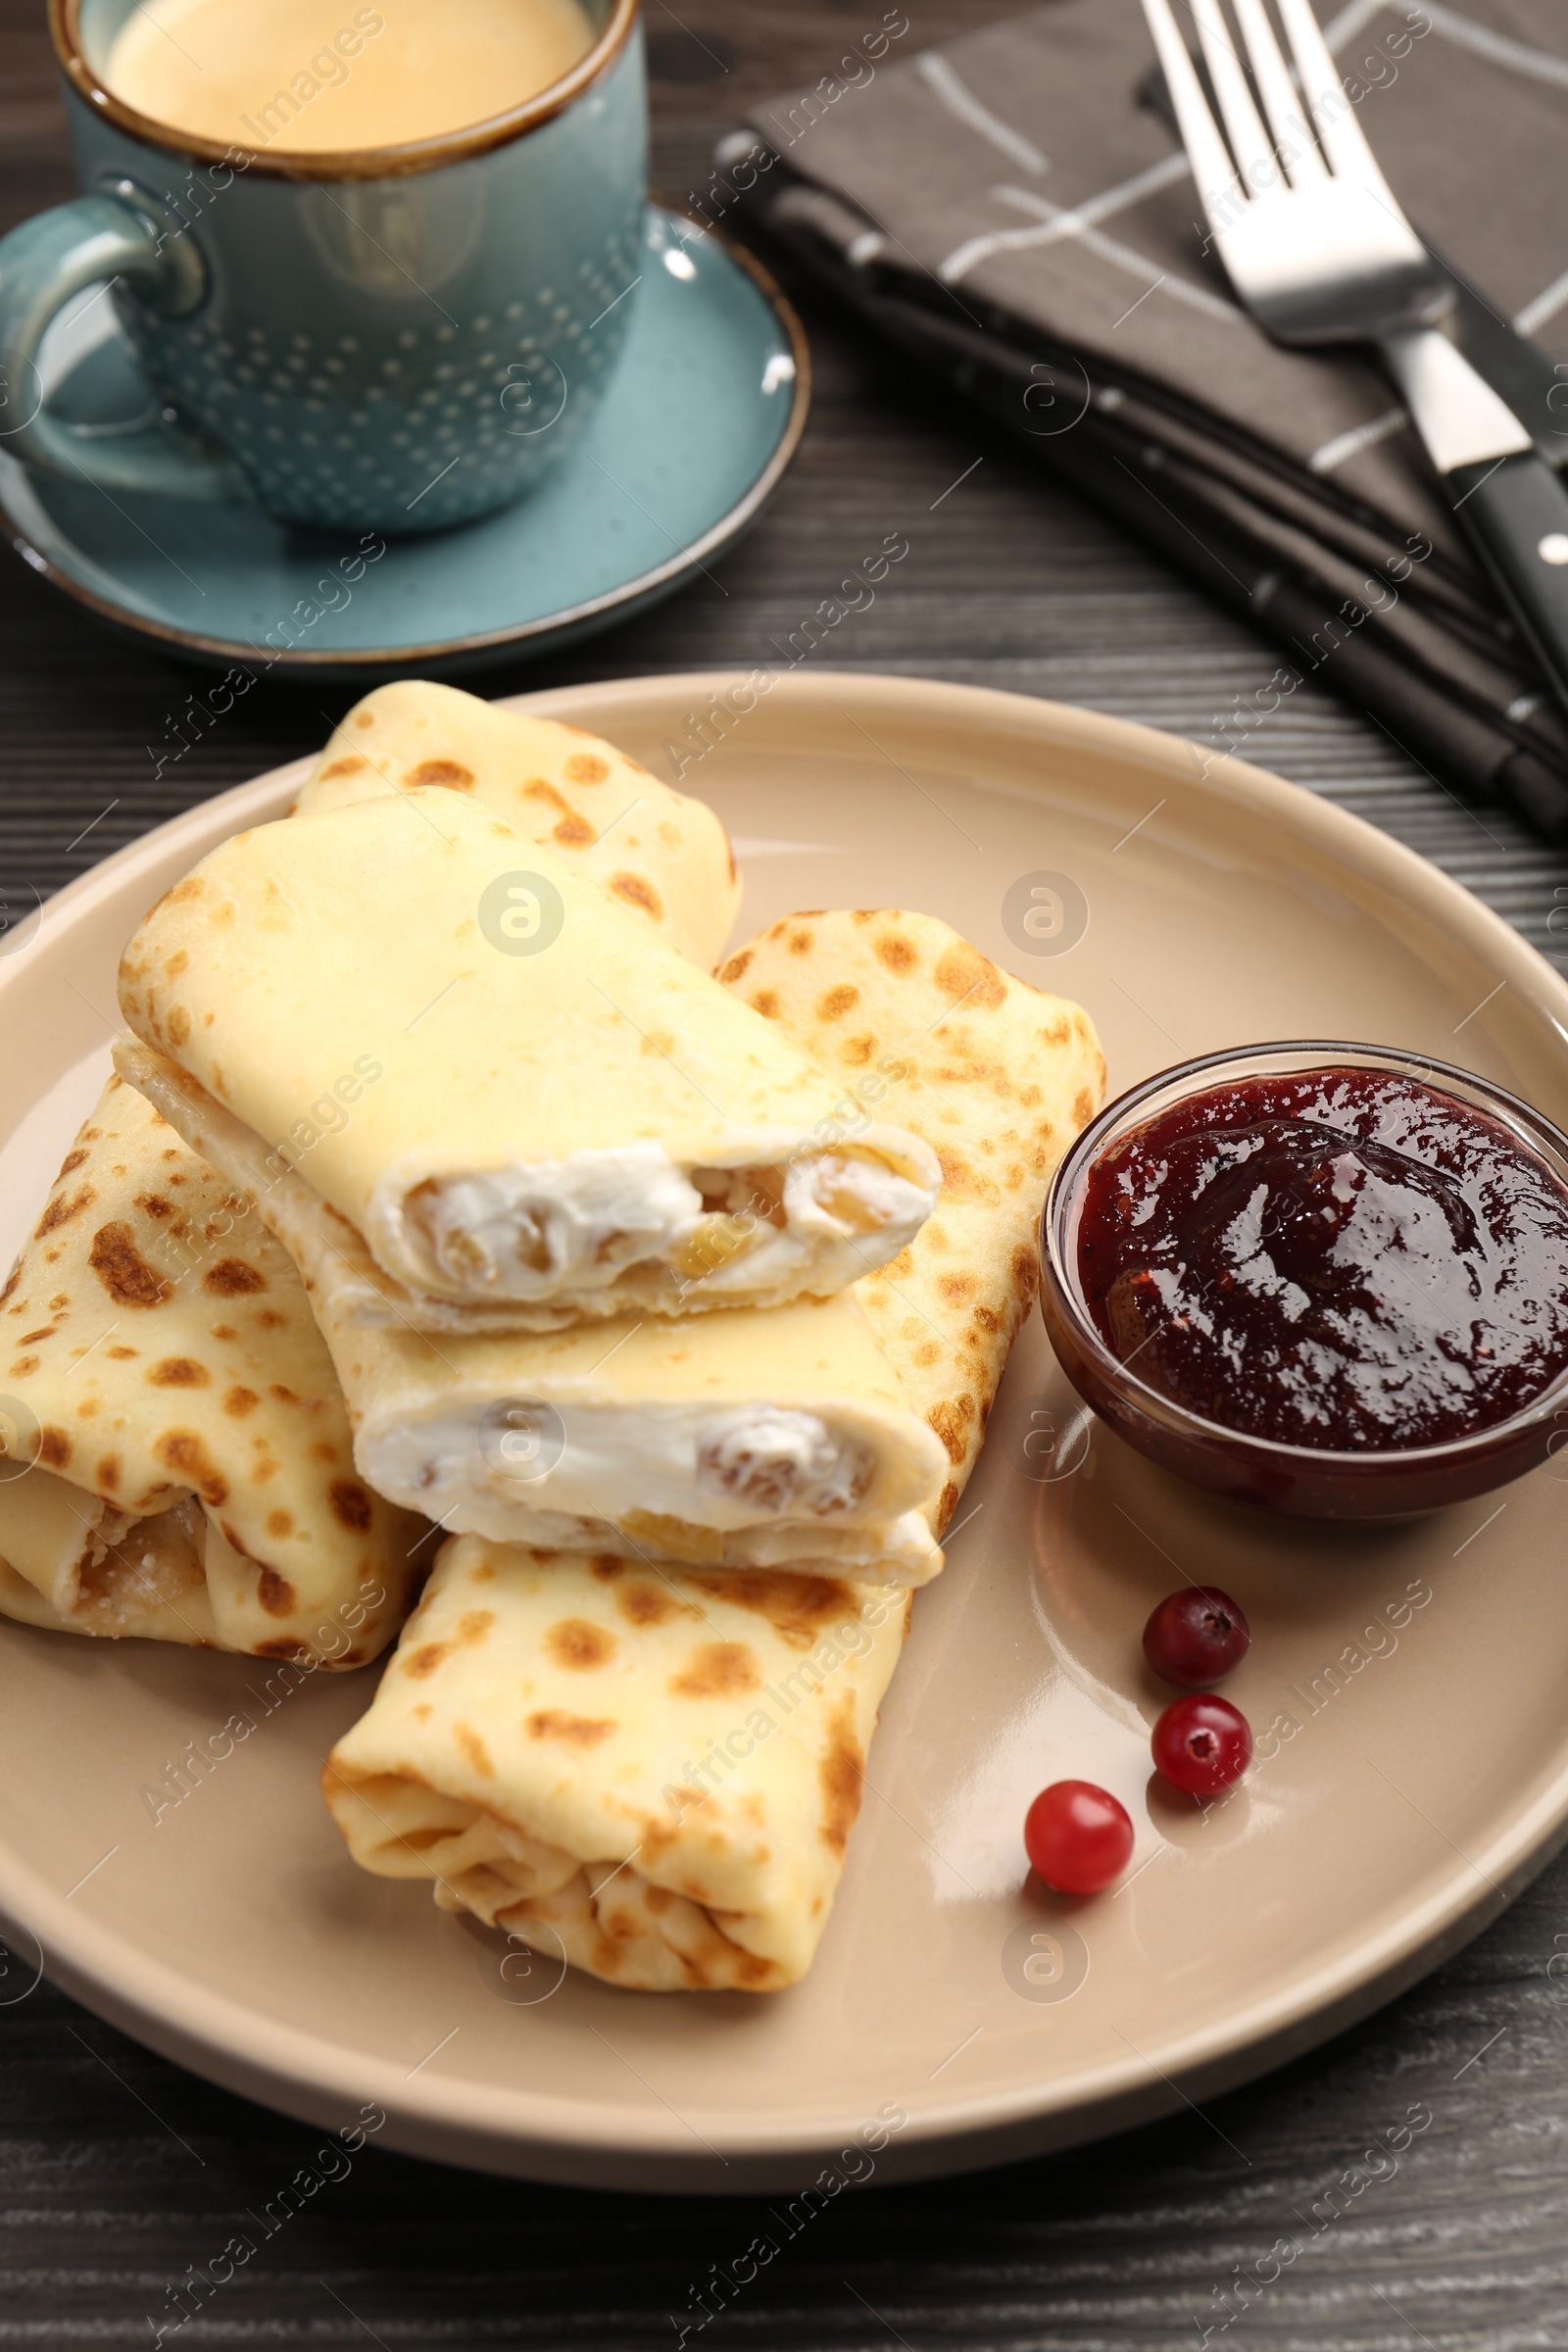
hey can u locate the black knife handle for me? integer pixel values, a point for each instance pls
(1516, 510)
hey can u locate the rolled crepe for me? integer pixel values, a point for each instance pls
(524, 1104)
(603, 1450)
(746, 1439)
(663, 857)
(630, 1814)
(652, 1775)
(998, 1077)
(179, 1462)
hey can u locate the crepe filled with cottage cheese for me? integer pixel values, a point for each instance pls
(998, 1077)
(178, 1461)
(661, 854)
(652, 1775)
(528, 1108)
(747, 1441)
(737, 1440)
(744, 1440)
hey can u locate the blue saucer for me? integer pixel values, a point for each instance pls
(696, 429)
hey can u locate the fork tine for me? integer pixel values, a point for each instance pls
(1343, 140)
(1287, 113)
(1213, 169)
(1251, 143)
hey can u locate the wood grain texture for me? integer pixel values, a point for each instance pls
(118, 2170)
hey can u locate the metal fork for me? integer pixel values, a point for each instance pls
(1318, 251)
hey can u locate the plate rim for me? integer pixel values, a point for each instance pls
(548, 2137)
(572, 620)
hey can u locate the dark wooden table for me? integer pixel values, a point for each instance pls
(117, 2170)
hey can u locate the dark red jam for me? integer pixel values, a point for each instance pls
(1342, 1259)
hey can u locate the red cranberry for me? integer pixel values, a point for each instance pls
(1201, 1744)
(1196, 1637)
(1077, 1837)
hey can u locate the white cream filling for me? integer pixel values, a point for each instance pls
(577, 1225)
(494, 1470)
(775, 1461)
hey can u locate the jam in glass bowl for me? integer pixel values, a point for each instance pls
(1331, 1279)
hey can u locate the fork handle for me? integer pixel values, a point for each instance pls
(1515, 510)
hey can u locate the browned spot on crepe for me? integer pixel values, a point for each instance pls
(766, 1001)
(637, 891)
(577, 1731)
(60, 1213)
(715, 1669)
(425, 1660)
(840, 1773)
(349, 766)
(122, 1270)
(797, 1606)
(574, 833)
(281, 1523)
(944, 1420)
(233, 1278)
(963, 972)
(837, 1001)
(350, 1505)
(72, 1163)
(962, 1182)
(276, 1593)
(182, 1451)
(54, 1449)
(179, 1372)
(240, 1401)
(643, 1604)
(586, 767)
(450, 772)
(178, 1025)
(473, 1747)
(578, 1644)
(738, 966)
(896, 951)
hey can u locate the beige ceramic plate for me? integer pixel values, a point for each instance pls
(1407, 1686)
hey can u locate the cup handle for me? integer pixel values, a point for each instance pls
(42, 265)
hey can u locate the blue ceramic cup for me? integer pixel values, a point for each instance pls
(393, 340)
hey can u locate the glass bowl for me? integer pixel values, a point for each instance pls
(1305, 1481)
